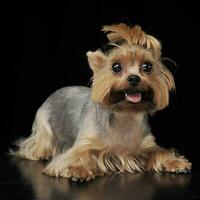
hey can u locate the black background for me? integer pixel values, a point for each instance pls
(47, 43)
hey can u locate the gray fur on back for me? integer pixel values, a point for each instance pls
(71, 111)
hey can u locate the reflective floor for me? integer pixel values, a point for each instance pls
(22, 179)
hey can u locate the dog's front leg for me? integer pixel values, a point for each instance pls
(167, 160)
(78, 163)
(156, 158)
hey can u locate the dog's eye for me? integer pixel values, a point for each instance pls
(147, 67)
(117, 67)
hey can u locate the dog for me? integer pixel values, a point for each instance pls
(89, 132)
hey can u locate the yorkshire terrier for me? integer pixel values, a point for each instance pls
(89, 132)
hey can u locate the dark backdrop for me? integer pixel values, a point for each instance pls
(47, 42)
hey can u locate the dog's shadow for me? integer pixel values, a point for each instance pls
(124, 186)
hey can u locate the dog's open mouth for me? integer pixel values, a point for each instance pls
(132, 96)
(135, 97)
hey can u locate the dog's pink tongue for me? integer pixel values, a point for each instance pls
(134, 98)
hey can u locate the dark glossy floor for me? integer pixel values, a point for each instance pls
(22, 179)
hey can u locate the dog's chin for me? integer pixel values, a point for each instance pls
(132, 99)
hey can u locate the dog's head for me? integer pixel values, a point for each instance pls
(130, 76)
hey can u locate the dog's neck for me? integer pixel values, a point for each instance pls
(129, 116)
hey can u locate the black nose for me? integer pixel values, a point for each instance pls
(134, 80)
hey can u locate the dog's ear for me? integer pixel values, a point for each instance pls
(96, 60)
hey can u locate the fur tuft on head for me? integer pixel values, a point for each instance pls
(133, 36)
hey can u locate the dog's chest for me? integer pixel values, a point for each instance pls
(127, 132)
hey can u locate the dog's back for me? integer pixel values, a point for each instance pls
(66, 108)
(56, 123)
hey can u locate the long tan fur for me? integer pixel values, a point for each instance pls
(41, 144)
(133, 36)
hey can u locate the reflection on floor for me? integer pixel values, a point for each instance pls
(22, 179)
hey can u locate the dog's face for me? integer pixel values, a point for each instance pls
(130, 76)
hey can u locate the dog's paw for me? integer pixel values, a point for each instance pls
(179, 165)
(78, 174)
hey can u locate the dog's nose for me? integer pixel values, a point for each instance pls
(134, 80)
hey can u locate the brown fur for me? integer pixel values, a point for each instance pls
(166, 160)
(133, 36)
